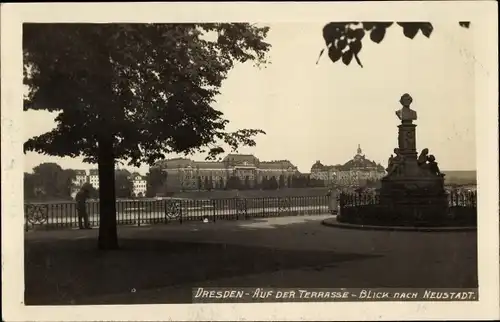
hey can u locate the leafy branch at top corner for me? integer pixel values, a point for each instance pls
(464, 24)
(344, 39)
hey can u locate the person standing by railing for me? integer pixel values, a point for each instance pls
(332, 195)
(81, 207)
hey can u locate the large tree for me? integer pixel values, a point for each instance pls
(233, 182)
(222, 184)
(344, 39)
(206, 184)
(281, 181)
(123, 183)
(134, 92)
(210, 183)
(264, 184)
(199, 183)
(50, 181)
(246, 183)
(273, 183)
(155, 181)
(29, 186)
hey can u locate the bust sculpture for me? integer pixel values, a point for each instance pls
(406, 114)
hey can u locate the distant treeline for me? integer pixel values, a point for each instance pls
(49, 181)
(162, 187)
(460, 177)
(271, 183)
(157, 183)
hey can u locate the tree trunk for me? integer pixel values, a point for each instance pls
(108, 237)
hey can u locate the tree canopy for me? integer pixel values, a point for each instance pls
(48, 181)
(149, 86)
(344, 39)
(123, 183)
(155, 181)
(134, 92)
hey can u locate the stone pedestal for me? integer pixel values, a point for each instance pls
(407, 140)
(407, 147)
(418, 199)
(412, 192)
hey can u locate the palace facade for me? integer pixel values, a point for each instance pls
(356, 171)
(187, 174)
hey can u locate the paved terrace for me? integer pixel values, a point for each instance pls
(160, 263)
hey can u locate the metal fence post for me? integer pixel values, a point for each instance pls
(213, 209)
(139, 208)
(180, 211)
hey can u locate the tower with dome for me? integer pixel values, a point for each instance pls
(355, 171)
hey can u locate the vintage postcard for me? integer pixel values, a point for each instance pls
(250, 161)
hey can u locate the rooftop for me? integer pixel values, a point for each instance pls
(359, 161)
(230, 159)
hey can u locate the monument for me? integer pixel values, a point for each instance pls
(413, 186)
(412, 193)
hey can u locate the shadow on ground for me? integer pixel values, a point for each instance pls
(72, 271)
(75, 269)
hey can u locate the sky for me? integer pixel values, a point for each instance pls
(323, 111)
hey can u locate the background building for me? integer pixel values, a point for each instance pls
(138, 182)
(78, 181)
(139, 185)
(94, 178)
(80, 178)
(357, 171)
(187, 174)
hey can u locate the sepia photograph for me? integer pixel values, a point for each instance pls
(224, 161)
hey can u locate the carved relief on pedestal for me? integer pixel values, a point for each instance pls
(401, 141)
(406, 139)
(409, 140)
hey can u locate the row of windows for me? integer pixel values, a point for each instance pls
(229, 170)
(347, 174)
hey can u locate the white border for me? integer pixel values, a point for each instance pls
(483, 16)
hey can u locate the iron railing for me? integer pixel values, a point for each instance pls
(367, 209)
(147, 212)
(461, 199)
